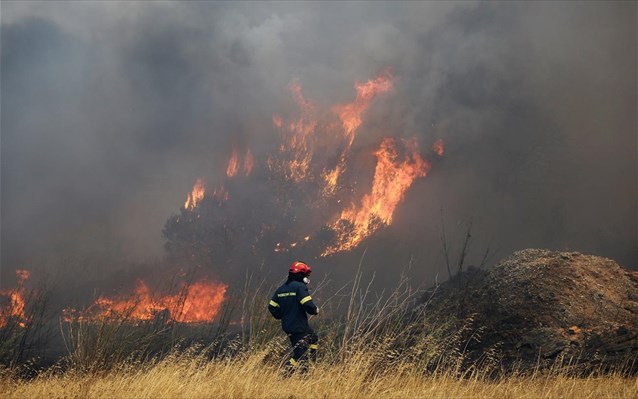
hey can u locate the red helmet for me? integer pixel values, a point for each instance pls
(300, 267)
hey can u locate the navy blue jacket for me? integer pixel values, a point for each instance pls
(290, 303)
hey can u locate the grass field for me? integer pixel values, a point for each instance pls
(191, 376)
(374, 349)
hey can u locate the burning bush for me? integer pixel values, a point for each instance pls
(308, 197)
(198, 302)
(22, 316)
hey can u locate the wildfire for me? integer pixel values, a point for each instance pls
(350, 116)
(309, 168)
(313, 156)
(195, 196)
(392, 177)
(438, 147)
(199, 302)
(233, 164)
(15, 307)
(297, 146)
(248, 162)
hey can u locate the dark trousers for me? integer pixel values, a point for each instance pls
(304, 346)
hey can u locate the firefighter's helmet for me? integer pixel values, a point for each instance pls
(300, 267)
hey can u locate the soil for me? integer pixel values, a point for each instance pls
(539, 307)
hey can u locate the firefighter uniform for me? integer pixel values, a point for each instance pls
(291, 304)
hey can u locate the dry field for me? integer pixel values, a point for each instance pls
(388, 348)
(190, 376)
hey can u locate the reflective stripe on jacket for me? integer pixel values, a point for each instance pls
(291, 303)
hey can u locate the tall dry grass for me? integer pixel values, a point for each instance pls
(188, 375)
(371, 350)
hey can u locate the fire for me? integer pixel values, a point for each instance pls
(248, 162)
(297, 146)
(438, 147)
(202, 302)
(312, 159)
(199, 302)
(233, 164)
(299, 136)
(15, 309)
(196, 195)
(350, 116)
(392, 177)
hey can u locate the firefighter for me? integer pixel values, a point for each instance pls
(291, 303)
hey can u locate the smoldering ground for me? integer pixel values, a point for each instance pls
(110, 111)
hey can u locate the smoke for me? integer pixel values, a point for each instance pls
(111, 110)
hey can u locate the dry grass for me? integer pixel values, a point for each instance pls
(188, 375)
(372, 352)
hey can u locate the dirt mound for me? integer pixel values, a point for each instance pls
(537, 307)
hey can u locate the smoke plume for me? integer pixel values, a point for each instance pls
(111, 111)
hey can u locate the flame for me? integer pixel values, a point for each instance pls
(296, 147)
(439, 147)
(331, 178)
(299, 138)
(196, 195)
(233, 164)
(248, 162)
(202, 302)
(392, 177)
(350, 116)
(314, 153)
(15, 309)
(199, 302)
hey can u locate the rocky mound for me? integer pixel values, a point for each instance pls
(538, 307)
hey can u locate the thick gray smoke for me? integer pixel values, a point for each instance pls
(111, 110)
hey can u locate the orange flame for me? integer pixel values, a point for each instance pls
(196, 195)
(350, 114)
(351, 119)
(233, 164)
(248, 162)
(296, 146)
(392, 177)
(315, 148)
(15, 309)
(199, 302)
(439, 147)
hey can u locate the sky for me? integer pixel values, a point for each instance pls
(111, 110)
